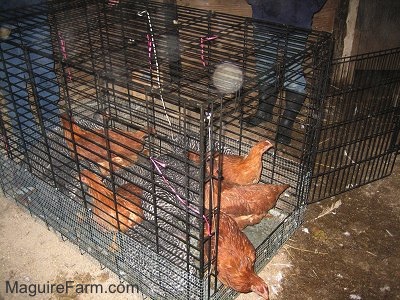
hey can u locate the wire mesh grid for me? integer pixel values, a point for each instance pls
(360, 129)
(147, 67)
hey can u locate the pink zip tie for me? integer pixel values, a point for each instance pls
(149, 48)
(112, 2)
(64, 54)
(202, 40)
(157, 164)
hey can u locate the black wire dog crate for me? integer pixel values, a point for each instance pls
(145, 66)
(187, 79)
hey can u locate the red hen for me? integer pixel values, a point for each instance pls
(236, 257)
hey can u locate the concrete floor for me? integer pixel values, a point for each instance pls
(347, 248)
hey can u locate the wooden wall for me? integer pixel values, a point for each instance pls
(234, 7)
(358, 26)
(324, 20)
(378, 24)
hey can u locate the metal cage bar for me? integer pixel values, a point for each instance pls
(360, 127)
(150, 68)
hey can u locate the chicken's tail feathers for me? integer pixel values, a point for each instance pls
(89, 176)
(193, 156)
(67, 117)
(141, 133)
(151, 130)
(68, 123)
(280, 188)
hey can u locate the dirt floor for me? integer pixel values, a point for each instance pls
(347, 248)
(352, 252)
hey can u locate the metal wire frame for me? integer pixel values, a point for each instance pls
(359, 136)
(115, 73)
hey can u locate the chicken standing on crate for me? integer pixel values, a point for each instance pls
(246, 204)
(239, 169)
(127, 197)
(92, 144)
(236, 257)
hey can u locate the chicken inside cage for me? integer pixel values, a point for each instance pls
(149, 146)
(235, 259)
(175, 177)
(129, 205)
(93, 145)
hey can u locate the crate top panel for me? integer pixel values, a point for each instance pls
(149, 44)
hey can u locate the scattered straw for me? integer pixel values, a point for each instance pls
(305, 250)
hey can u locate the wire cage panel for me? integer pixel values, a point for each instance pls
(121, 167)
(132, 53)
(158, 275)
(359, 136)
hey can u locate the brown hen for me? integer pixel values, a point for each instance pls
(92, 145)
(246, 204)
(236, 257)
(129, 205)
(238, 169)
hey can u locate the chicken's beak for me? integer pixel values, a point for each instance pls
(261, 290)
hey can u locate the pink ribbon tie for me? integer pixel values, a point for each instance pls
(157, 164)
(202, 40)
